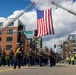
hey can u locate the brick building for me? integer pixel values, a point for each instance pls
(69, 46)
(13, 34)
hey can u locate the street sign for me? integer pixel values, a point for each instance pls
(58, 46)
(28, 32)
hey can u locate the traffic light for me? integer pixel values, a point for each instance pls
(35, 32)
(61, 46)
(54, 45)
(0, 38)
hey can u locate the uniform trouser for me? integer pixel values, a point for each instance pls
(73, 62)
(30, 60)
(8, 62)
(3, 61)
(0, 61)
(25, 61)
(11, 61)
(54, 61)
(22, 61)
(37, 61)
(46, 61)
(17, 61)
(33, 61)
(40, 61)
(51, 61)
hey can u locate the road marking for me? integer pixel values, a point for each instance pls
(6, 70)
(10, 69)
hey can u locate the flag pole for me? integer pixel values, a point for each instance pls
(68, 10)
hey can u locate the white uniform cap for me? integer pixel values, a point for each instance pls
(18, 43)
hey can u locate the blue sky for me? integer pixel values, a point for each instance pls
(7, 7)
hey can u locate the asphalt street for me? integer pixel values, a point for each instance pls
(36, 70)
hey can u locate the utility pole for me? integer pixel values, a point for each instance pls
(68, 10)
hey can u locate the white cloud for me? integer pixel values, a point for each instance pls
(1, 18)
(29, 19)
(64, 22)
(54, 40)
(15, 13)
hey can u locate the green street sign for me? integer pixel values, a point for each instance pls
(58, 46)
(28, 32)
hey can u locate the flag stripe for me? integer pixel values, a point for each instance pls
(45, 23)
(52, 23)
(38, 28)
(49, 17)
(40, 21)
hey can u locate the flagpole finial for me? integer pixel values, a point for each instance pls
(53, 2)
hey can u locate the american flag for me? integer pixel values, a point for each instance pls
(44, 22)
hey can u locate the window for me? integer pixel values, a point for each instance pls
(12, 24)
(73, 37)
(20, 27)
(0, 38)
(74, 45)
(74, 50)
(27, 45)
(14, 31)
(1, 24)
(8, 47)
(10, 31)
(9, 39)
(73, 41)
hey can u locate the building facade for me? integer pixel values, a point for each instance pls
(8, 38)
(36, 43)
(69, 46)
(72, 42)
(13, 34)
